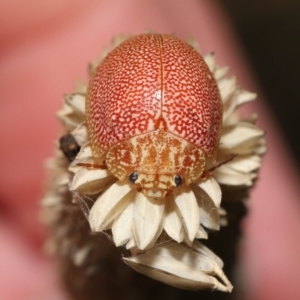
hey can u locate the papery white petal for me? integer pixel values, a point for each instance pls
(245, 163)
(122, 226)
(80, 134)
(147, 217)
(210, 61)
(223, 217)
(229, 107)
(65, 110)
(261, 147)
(172, 221)
(200, 248)
(131, 243)
(109, 205)
(228, 176)
(245, 96)
(72, 112)
(85, 155)
(158, 234)
(76, 101)
(179, 266)
(188, 208)
(90, 182)
(50, 199)
(213, 190)
(186, 255)
(209, 216)
(239, 134)
(227, 87)
(222, 212)
(220, 72)
(250, 119)
(248, 147)
(85, 152)
(201, 233)
(66, 115)
(237, 98)
(231, 120)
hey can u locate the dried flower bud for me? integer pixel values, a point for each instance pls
(138, 217)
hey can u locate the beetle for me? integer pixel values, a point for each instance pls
(154, 113)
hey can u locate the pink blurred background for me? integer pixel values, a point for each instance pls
(44, 50)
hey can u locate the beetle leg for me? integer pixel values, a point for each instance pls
(228, 159)
(93, 166)
(208, 173)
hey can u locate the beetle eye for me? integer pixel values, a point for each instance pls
(178, 180)
(133, 177)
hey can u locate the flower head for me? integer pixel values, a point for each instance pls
(137, 220)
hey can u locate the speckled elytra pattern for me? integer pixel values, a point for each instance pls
(153, 81)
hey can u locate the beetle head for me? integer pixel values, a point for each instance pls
(156, 162)
(155, 185)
